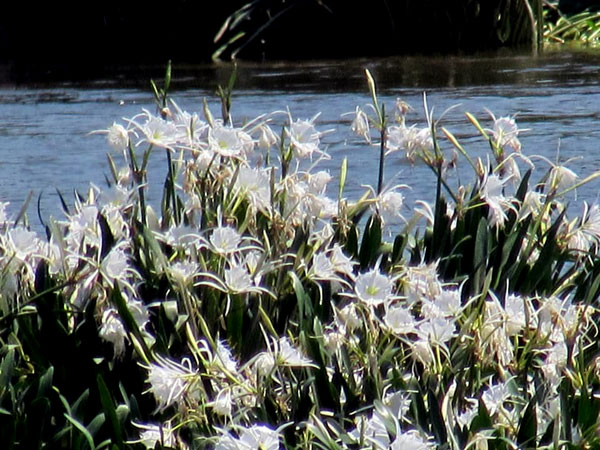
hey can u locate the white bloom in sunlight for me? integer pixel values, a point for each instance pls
(304, 137)
(412, 140)
(288, 355)
(495, 396)
(372, 430)
(259, 437)
(168, 382)
(531, 205)
(446, 304)
(360, 125)
(113, 331)
(516, 316)
(156, 131)
(156, 434)
(348, 318)
(322, 268)
(341, 262)
(561, 179)
(117, 137)
(256, 437)
(263, 363)
(83, 227)
(410, 440)
(389, 204)
(437, 330)
(225, 358)
(225, 240)
(465, 418)
(222, 404)
(374, 288)
(115, 264)
(399, 320)
(422, 351)
(422, 282)
(267, 137)
(254, 183)
(506, 133)
(183, 271)
(398, 403)
(492, 193)
(226, 141)
(23, 244)
(317, 182)
(238, 279)
(4, 220)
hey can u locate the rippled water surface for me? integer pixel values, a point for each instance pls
(46, 145)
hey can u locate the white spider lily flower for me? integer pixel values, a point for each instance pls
(225, 240)
(360, 125)
(518, 311)
(322, 267)
(495, 396)
(410, 440)
(117, 136)
(438, 330)
(169, 381)
(421, 282)
(506, 132)
(255, 184)
(317, 182)
(389, 206)
(184, 272)
(182, 237)
(421, 351)
(561, 179)
(83, 228)
(225, 358)
(446, 304)
(371, 430)
(289, 355)
(229, 142)
(304, 138)
(222, 404)
(22, 244)
(347, 318)
(414, 141)
(531, 205)
(256, 437)
(115, 265)
(113, 331)
(399, 320)
(374, 288)
(465, 418)
(156, 131)
(267, 138)
(492, 193)
(341, 262)
(238, 279)
(152, 434)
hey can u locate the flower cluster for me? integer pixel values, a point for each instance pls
(249, 309)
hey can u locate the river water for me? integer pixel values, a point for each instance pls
(46, 145)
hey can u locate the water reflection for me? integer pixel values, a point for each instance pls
(44, 127)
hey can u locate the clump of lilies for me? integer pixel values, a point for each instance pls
(249, 309)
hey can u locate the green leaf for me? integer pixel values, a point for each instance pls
(83, 430)
(526, 437)
(108, 405)
(369, 248)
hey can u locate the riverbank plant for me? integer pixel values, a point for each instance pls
(582, 28)
(256, 306)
